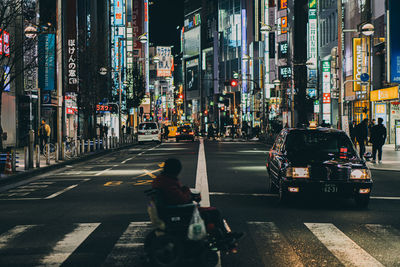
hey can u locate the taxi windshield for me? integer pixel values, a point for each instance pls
(147, 126)
(185, 128)
(317, 144)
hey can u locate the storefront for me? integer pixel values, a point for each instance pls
(386, 105)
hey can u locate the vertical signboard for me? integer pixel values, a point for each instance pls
(137, 23)
(47, 61)
(6, 43)
(394, 7)
(118, 12)
(146, 30)
(72, 55)
(165, 63)
(312, 41)
(360, 62)
(326, 91)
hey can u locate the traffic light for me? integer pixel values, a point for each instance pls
(232, 82)
(180, 96)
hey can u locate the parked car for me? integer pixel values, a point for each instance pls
(317, 161)
(148, 132)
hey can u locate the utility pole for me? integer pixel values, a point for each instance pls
(267, 66)
(59, 74)
(339, 63)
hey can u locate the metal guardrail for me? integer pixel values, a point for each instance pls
(55, 152)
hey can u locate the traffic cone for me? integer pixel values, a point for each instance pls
(8, 169)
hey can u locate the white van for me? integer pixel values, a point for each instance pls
(148, 132)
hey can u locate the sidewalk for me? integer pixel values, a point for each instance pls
(390, 159)
(20, 171)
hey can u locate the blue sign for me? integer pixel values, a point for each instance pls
(7, 79)
(364, 77)
(46, 61)
(394, 7)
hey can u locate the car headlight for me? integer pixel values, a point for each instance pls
(360, 174)
(298, 172)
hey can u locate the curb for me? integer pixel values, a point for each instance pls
(37, 171)
(387, 170)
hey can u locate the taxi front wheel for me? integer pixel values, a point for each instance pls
(283, 195)
(362, 201)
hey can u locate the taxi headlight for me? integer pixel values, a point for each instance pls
(360, 174)
(298, 172)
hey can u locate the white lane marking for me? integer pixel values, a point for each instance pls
(277, 246)
(242, 194)
(13, 233)
(103, 171)
(201, 176)
(123, 162)
(344, 249)
(65, 247)
(386, 198)
(129, 246)
(61, 192)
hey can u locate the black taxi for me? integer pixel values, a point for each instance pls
(320, 161)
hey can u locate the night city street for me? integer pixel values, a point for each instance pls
(102, 220)
(199, 133)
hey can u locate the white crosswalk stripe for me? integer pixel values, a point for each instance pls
(345, 249)
(65, 247)
(129, 247)
(273, 242)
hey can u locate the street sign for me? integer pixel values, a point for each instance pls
(364, 77)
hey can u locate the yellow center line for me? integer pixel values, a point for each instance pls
(148, 173)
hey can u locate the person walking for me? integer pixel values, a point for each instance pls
(44, 135)
(361, 136)
(370, 125)
(378, 138)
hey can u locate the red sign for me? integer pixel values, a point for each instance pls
(137, 25)
(4, 43)
(103, 108)
(326, 98)
(71, 111)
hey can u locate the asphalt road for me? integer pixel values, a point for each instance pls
(94, 213)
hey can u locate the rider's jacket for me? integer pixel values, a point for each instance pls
(172, 190)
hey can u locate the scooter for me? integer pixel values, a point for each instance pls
(168, 245)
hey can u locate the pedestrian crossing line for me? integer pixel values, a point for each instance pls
(267, 233)
(344, 249)
(128, 248)
(13, 233)
(65, 247)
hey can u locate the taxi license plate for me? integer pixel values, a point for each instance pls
(330, 188)
(148, 133)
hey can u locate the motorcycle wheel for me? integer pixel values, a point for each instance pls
(209, 258)
(150, 237)
(166, 251)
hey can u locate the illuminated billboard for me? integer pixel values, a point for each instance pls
(191, 41)
(164, 66)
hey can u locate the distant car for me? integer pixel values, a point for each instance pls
(317, 161)
(184, 133)
(148, 132)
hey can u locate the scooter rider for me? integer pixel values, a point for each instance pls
(175, 194)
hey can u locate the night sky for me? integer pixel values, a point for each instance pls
(165, 16)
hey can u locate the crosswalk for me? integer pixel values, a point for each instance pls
(275, 243)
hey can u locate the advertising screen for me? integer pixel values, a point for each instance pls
(191, 42)
(192, 75)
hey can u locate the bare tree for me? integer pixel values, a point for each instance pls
(13, 47)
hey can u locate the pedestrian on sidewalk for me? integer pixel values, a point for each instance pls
(361, 136)
(370, 125)
(44, 135)
(378, 138)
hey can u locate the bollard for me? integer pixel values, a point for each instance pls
(88, 146)
(56, 152)
(63, 146)
(47, 154)
(13, 161)
(94, 145)
(83, 147)
(31, 148)
(78, 147)
(103, 140)
(26, 158)
(110, 142)
(37, 154)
